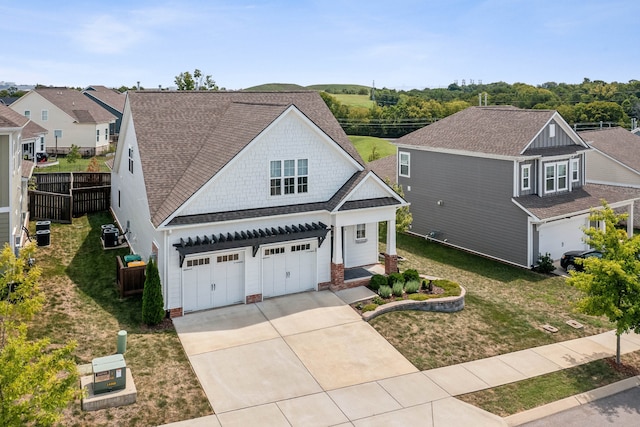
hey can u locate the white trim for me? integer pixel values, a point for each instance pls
(375, 177)
(564, 126)
(408, 154)
(556, 176)
(525, 167)
(573, 161)
(467, 153)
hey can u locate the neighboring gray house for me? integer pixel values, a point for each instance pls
(614, 160)
(502, 182)
(112, 101)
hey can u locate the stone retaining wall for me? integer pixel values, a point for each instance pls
(444, 305)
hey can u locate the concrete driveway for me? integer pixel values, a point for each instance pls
(284, 348)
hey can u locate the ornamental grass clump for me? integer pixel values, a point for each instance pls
(412, 286)
(398, 289)
(385, 291)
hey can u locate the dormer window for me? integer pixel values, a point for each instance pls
(556, 177)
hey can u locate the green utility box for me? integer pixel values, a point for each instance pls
(109, 373)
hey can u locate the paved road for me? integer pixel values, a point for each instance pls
(620, 410)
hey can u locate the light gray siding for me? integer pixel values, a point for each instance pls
(544, 140)
(467, 201)
(5, 170)
(533, 178)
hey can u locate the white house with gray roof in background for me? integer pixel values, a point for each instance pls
(243, 196)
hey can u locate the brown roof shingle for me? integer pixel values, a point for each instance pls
(578, 200)
(501, 130)
(386, 168)
(185, 138)
(76, 105)
(617, 143)
(11, 119)
(111, 97)
(32, 130)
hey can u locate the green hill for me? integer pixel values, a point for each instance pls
(341, 88)
(277, 87)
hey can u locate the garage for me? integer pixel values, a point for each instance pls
(558, 237)
(213, 280)
(288, 268)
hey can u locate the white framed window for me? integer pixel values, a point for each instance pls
(130, 159)
(403, 164)
(556, 177)
(27, 114)
(552, 130)
(97, 135)
(575, 170)
(525, 177)
(289, 176)
(361, 231)
(45, 115)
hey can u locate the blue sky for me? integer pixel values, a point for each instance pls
(401, 44)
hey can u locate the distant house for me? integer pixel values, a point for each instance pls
(502, 182)
(70, 118)
(112, 101)
(242, 196)
(33, 140)
(386, 168)
(14, 173)
(614, 160)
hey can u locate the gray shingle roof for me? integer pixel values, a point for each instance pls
(11, 119)
(578, 200)
(76, 105)
(502, 130)
(111, 97)
(185, 138)
(32, 130)
(617, 143)
(386, 168)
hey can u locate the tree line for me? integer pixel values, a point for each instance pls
(395, 113)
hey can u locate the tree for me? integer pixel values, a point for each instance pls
(93, 166)
(37, 379)
(403, 215)
(611, 284)
(195, 81)
(74, 154)
(152, 302)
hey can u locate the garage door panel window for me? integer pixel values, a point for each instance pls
(197, 262)
(227, 258)
(301, 247)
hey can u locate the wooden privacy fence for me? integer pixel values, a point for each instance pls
(130, 280)
(61, 196)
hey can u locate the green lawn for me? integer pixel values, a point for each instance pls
(79, 165)
(354, 100)
(78, 279)
(366, 144)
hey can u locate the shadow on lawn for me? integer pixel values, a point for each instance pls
(466, 261)
(93, 269)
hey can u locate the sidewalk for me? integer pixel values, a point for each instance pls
(424, 398)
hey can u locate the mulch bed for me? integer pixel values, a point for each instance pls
(435, 290)
(627, 370)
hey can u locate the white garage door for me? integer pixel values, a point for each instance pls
(213, 281)
(288, 268)
(559, 237)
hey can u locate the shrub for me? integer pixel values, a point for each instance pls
(377, 280)
(393, 278)
(545, 264)
(410, 275)
(369, 307)
(398, 289)
(377, 300)
(152, 301)
(385, 291)
(418, 297)
(412, 286)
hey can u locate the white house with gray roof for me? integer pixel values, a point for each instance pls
(70, 118)
(243, 196)
(502, 182)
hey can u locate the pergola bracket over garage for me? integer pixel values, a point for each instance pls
(254, 238)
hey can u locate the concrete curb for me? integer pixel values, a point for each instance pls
(571, 402)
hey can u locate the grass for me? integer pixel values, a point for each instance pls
(517, 397)
(365, 145)
(79, 165)
(362, 101)
(78, 278)
(505, 308)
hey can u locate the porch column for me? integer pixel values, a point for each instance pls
(390, 256)
(630, 220)
(337, 263)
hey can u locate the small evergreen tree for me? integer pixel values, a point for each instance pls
(152, 302)
(74, 154)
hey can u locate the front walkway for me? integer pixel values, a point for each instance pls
(309, 359)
